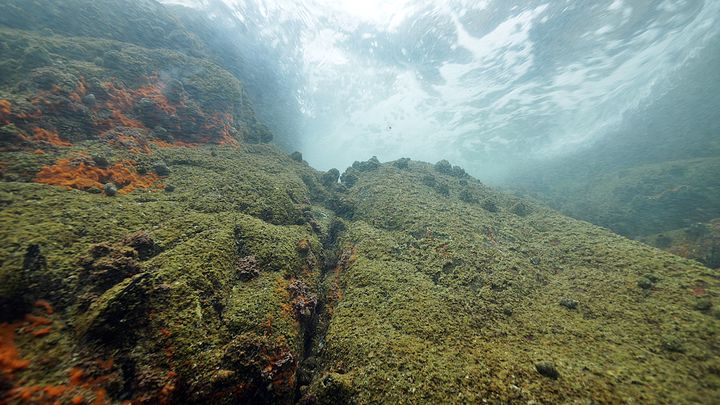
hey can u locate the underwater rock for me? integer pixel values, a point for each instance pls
(162, 133)
(443, 167)
(547, 369)
(371, 164)
(442, 188)
(379, 324)
(119, 314)
(342, 205)
(696, 231)
(303, 246)
(330, 177)
(569, 303)
(108, 264)
(89, 100)
(143, 244)
(101, 161)
(402, 163)
(259, 134)
(663, 241)
(645, 283)
(348, 179)
(489, 205)
(458, 172)
(110, 189)
(333, 388)
(175, 91)
(262, 370)
(429, 180)
(296, 156)
(161, 169)
(468, 196)
(303, 301)
(520, 209)
(248, 268)
(34, 261)
(36, 56)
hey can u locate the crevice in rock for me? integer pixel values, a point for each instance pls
(316, 326)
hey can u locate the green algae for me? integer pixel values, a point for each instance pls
(439, 299)
(407, 282)
(190, 290)
(424, 315)
(644, 202)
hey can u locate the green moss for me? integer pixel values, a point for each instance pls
(423, 316)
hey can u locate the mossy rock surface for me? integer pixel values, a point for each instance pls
(424, 315)
(418, 297)
(154, 249)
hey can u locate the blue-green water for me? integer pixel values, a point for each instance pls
(491, 85)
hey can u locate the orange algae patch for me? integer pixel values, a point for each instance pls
(79, 92)
(77, 400)
(5, 110)
(100, 395)
(10, 360)
(55, 390)
(50, 137)
(76, 376)
(44, 304)
(155, 93)
(25, 393)
(81, 176)
(41, 332)
(37, 320)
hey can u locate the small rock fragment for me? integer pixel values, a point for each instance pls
(248, 268)
(547, 369)
(161, 169)
(443, 167)
(303, 246)
(90, 100)
(110, 189)
(330, 177)
(645, 283)
(569, 303)
(296, 156)
(143, 244)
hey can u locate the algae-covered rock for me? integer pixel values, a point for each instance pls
(256, 279)
(424, 310)
(244, 285)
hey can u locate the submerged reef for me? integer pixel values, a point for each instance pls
(259, 280)
(156, 249)
(653, 202)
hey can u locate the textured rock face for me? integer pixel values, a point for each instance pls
(221, 291)
(446, 299)
(219, 270)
